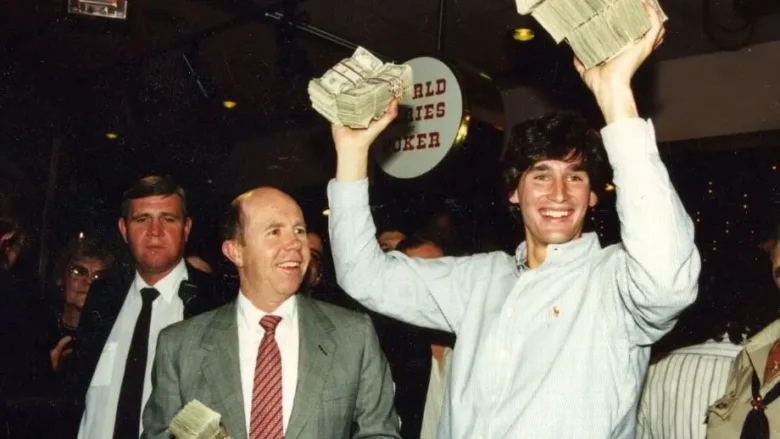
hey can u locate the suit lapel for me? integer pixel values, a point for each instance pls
(317, 351)
(221, 369)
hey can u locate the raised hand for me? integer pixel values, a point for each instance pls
(60, 352)
(352, 144)
(612, 81)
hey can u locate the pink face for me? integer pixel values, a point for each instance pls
(78, 279)
(156, 232)
(554, 197)
(274, 254)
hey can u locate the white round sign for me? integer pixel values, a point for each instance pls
(429, 122)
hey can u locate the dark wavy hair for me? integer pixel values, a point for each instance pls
(563, 136)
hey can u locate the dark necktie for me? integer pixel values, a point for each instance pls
(756, 424)
(128, 410)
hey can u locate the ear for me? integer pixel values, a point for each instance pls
(514, 197)
(187, 228)
(593, 200)
(231, 250)
(123, 228)
(7, 236)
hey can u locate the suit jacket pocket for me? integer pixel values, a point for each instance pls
(338, 392)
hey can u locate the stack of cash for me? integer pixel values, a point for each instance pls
(596, 30)
(196, 421)
(359, 89)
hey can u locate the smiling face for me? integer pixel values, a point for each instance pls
(553, 196)
(271, 251)
(156, 231)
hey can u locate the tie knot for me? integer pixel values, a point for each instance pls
(149, 294)
(270, 322)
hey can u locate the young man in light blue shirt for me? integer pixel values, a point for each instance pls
(553, 342)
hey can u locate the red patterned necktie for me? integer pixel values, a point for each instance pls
(266, 418)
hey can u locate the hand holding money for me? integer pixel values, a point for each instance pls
(352, 145)
(611, 82)
(196, 421)
(359, 89)
(596, 30)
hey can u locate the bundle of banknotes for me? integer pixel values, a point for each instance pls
(596, 30)
(359, 89)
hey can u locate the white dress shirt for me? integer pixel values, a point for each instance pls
(559, 351)
(434, 399)
(103, 394)
(250, 334)
(681, 386)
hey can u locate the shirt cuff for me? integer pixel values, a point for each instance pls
(347, 193)
(627, 139)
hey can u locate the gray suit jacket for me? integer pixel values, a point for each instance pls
(344, 385)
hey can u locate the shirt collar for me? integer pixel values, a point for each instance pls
(249, 316)
(766, 337)
(561, 253)
(167, 286)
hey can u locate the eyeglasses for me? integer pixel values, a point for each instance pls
(77, 271)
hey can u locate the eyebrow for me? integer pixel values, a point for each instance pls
(571, 166)
(149, 215)
(276, 224)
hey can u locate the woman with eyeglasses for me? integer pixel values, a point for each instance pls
(83, 261)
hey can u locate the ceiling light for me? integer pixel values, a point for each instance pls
(523, 34)
(229, 104)
(111, 135)
(326, 212)
(609, 187)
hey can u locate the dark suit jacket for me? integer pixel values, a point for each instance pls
(199, 294)
(344, 386)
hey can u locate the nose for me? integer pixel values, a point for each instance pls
(155, 228)
(295, 242)
(558, 190)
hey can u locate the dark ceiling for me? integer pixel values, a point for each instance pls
(42, 44)
(239, 53)
(79, 78)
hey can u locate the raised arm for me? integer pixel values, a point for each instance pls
(657, 274)
(430, 293)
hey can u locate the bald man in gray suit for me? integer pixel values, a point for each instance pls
(273, 363)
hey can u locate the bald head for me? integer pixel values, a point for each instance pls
(233, 225)
(268, 246)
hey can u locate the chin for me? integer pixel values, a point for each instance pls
(558, 238)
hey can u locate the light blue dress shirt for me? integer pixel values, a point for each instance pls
(555, 352)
